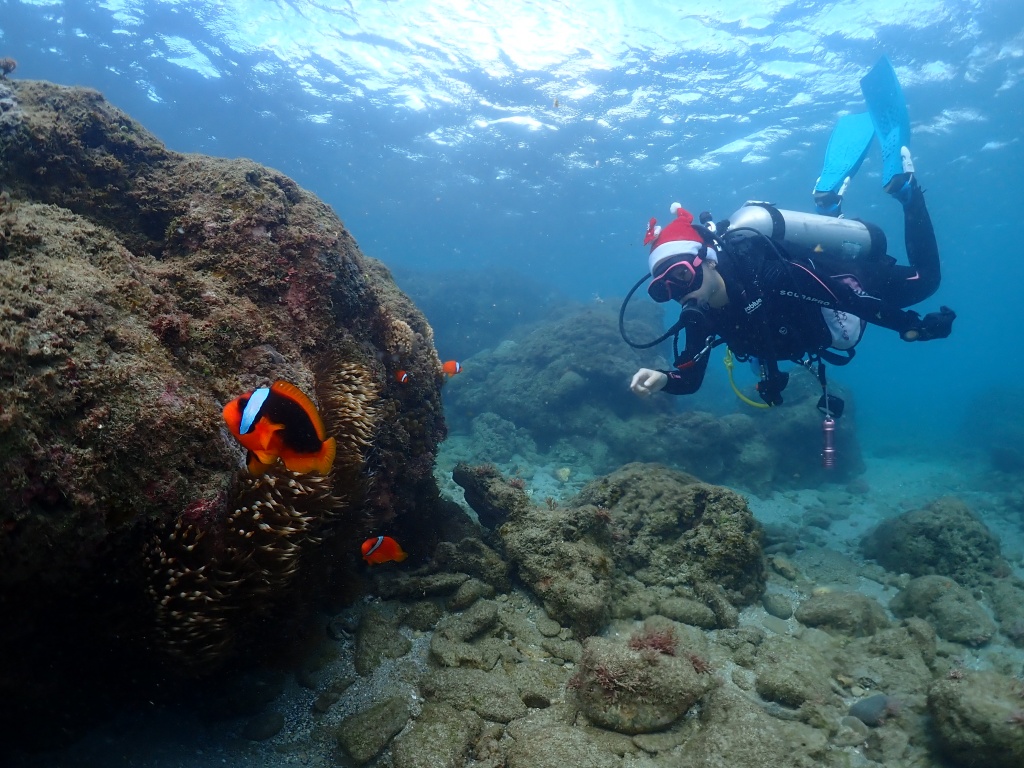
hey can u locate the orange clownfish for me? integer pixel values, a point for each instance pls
(280, 422)
(402, 377)
(383, 549)
(451, 367)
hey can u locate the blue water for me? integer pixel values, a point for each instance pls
(541, 136)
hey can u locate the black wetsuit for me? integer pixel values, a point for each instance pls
(775, 309)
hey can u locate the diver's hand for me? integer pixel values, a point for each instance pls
(646, 382)
(770, 389)
(934, 325)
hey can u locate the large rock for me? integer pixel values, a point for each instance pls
(948, 607)
(736, 733)
(791, 673)
(440, 737)
(364, 734)
(979, 719)
(944, 538)
(564, 555)
(556, 746)
(669, 528)
(624, 541)
(639, 688)
(492, 695)
(849, 613)
(141, 289)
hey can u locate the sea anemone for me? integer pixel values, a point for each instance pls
(222, 564)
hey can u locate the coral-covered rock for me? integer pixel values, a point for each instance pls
(791, 673)
(564, 555)
(897, 660)
(492, 695)
(1007, 597)
(849, 613)
(979, 719)
(365, 734)
(638, 688)
(674, 528)
(944, 538)
(948, 607)
(378, 639)
(440, 736)
(489, 494)
(737, 733)
(498, 440)
(554, 745)
(554, 380)
(140, 290)
(627, 535)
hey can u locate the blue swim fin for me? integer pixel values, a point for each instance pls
(849, 143)
(888, 109)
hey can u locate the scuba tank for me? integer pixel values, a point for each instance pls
(841, 239)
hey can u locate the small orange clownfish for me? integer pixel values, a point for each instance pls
(383, 549)
(402, 377)
(452, 367)
(280, 422)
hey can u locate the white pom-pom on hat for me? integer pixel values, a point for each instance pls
(674, 207)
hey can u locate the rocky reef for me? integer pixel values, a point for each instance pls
(140, 290)
(640, 541)
(559, 394)
(961, 574)
(634, 625)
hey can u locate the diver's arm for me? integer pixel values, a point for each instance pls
(688, 374)
(907, 323)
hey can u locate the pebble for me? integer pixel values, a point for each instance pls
(264, 726)
(873, 710)
(777, 605)
(784, 568)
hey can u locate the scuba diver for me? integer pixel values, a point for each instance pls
(779, 285)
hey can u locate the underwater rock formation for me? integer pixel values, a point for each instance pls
(673, 531)
(489, 494)
(641, 687)
(979, 719)
(948, 607)
(643, 540)
(561, 390)
(849, 613)
(944, 538)
(955, 558)
(140, 289)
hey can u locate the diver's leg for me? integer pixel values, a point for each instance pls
(922, 279)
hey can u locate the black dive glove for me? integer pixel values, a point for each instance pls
(770, 389)
(934, 325)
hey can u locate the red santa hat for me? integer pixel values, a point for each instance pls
(676, 241)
